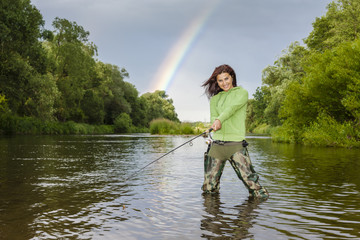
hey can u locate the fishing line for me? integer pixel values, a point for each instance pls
(190, 142)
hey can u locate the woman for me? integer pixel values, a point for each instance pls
(228, 113)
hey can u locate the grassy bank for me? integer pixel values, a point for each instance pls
(32, 126)
(10, 125)
(262, 129)
(325, 132)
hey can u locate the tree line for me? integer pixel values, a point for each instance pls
(53, 75)
(311, 94)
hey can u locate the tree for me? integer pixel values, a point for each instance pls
(330, 88)
(112, 89)
(21, 54)
(73, 67)
(275, 80)
(159, 105)
(3, 104)
(41, 97)
(341, 23)
(123, 123)
(93, 108)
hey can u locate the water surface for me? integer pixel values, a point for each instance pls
(74, 187)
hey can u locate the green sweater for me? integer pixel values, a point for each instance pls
(230, 108)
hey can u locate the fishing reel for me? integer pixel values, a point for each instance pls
(208, 139)
(208, 136)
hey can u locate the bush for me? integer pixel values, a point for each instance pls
(326, 131)
(28, 125)
(165, 126)
(162, 126)
(7, 124)
(123, 123)
(185, 128)
(262, 129)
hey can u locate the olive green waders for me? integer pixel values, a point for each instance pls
(214, 163)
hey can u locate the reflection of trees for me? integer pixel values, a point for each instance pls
(51, 185)
(234, 224)
(321, 185)
(17, 195)
(293, 165)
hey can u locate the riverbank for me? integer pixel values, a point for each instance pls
(325, 135)
(12, 125)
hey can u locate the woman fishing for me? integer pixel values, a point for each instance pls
(228, 104)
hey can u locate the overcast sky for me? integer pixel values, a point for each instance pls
(140, 36)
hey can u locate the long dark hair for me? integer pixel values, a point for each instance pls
(211, 86)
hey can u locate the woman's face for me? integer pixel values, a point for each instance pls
(225, 81)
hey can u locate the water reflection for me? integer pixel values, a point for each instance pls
(314, 190)
(74, 187)
(234, 224)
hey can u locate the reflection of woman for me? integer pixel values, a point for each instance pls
(220, 222)
(228, 113)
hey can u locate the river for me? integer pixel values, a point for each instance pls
(75, 187)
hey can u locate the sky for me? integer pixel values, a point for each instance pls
(174, 45)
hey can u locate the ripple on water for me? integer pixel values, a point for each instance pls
(74, 187)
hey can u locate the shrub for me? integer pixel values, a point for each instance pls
(162, 126)
(122, 123)
(185, 128)
(326, 131)
(262, 129)
(285, 133)
(165, 126)
(7, 124)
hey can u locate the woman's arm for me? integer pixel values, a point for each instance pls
(238, 99)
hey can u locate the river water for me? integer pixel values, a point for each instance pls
(75, 187)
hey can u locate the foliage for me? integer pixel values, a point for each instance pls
(263, 128)
(160, 106)
(165, 126)
(3, 104)
(10, 124)
(331, 86)
(41, 98)
(285, 133)
(162, 126)
(317, 87)
(326, 131)
(340, 24)
(123, 123)
(268, 99)
(93, 107)
(21, 54)
(72, 54)
(186, 128)
(54, 76)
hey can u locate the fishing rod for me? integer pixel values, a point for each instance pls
(134, 174)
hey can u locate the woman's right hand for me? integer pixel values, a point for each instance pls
(216, 125)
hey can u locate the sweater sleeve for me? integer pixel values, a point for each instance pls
(213, 112)
(238, 99)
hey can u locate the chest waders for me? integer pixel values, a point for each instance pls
(236, 153)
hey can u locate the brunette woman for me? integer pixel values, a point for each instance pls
(228, 104)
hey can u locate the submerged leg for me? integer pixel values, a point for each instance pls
(241, 163)
(213, 169)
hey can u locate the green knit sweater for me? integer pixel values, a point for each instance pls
(230, 108)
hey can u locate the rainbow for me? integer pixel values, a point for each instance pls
(169, 67)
